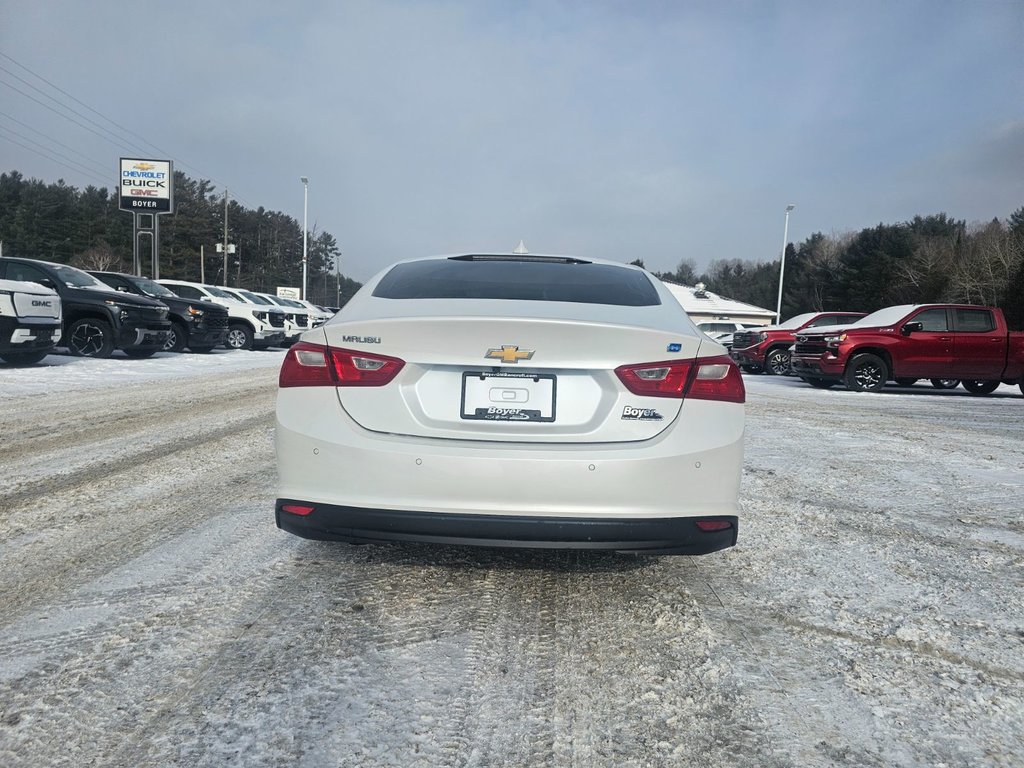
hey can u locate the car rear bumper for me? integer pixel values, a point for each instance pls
(691, 471)
(655, 536)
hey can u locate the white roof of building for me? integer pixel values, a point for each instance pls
(704, 302)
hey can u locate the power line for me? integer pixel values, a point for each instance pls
(100, 114)
(98, 165)
(62, 106)
(80, 102)
(79, 169)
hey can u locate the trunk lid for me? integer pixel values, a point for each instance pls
(553, 376)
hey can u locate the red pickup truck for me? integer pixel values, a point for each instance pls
(910, 342)
(767, 348)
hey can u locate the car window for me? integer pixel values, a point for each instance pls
(518, 279)
(220, 293)
(151, 288)
(255, 298)
(187, 291)
(116, 282)
(974, 320)
(932, 320)
(830, 320)
(26, 272)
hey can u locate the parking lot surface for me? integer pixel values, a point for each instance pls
(151, 614)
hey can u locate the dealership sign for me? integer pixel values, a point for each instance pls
(284, 292)
(146, 186)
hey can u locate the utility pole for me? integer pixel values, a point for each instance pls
(225, 237)
(305, 214)
(202, 264)
(782, 264)
(224, 247)
(337, 280)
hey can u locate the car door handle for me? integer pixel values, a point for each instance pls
(945, 338)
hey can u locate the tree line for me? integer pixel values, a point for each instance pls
(929, 259)
(85, 228)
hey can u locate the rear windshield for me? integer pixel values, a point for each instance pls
(518, 279)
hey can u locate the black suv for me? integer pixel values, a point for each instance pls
(198, 325)
(97, 320)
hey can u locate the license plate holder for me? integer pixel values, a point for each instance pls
(508, 396)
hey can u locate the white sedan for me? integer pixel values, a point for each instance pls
(512, 401)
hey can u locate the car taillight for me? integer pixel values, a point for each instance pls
(709, 378)
(315, 365)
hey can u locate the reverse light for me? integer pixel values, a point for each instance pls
(709, 378)
(316, 365)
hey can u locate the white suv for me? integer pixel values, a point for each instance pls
(249, 326)
(294, 326)
(314, 316)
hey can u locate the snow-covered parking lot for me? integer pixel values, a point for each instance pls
(152, 615)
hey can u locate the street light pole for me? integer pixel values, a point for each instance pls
(305, 211)
(782, 267)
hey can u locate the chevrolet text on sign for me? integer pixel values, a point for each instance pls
(146, 186)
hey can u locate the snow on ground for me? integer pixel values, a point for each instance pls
(151, 614)
(63, 371)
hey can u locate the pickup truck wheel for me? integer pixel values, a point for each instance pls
(239, 337)
(945, 383)
(89, 337)
(866, 373)
(751, 368)
(904, 382)
(819, 383)
(177, 338)
(980, 387)
(776, 362)
(140, 354)
(24, 358)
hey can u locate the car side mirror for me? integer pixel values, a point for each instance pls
(47, 283)
(121, 289)
(909, 328)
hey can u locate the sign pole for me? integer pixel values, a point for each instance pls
(136, 265)
(146, 190)
(155, 273)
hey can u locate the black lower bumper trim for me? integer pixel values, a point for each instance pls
(653, 536)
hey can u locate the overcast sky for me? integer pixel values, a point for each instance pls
(658, 130)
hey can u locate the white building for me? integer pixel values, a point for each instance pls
(704, 306)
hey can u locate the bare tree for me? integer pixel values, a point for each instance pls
(100, 257)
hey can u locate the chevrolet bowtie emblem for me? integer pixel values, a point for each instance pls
(509, 354)
(145, 166)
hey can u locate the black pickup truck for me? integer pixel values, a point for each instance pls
(198, 325)
(97, 320)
